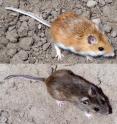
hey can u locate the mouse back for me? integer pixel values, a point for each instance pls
(58, 84)
(80, 35)
(64, 85)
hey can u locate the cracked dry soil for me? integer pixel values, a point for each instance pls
(25, 101)
(24, 40)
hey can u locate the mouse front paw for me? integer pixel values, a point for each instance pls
(60, 103)
(89, 58)
(59, 56)
(89, 115)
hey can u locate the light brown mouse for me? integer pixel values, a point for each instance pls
(64, 85)
(76, 34)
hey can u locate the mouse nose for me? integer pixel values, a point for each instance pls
(112, 54)
(108, 112)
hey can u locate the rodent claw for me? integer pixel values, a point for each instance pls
(89, 58)
(87, 114)
(60, 103)
(59, 56)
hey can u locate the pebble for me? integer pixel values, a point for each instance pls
(42, 34)
(16, 59)
(114, 34)
(31, 33)
(45, 46)
(25, 43)
(43, 40)
(12, 36)
(106, 10)
(24, 18)
(12, 28)
(91, 3)
(3, 57)
(12, 45)
(23, 55)
(3, 117)
(13, 14)
(4, 113)
(39, 26)
(107, 28)
(31, 24)
(35, 48)
(3, 40)
(44, 14)
(31, 60)
(3, 120)
(23, 30)
(40, 43)
(11, 52)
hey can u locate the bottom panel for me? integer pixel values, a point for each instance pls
(26, 101)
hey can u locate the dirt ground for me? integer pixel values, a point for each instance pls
(25, 101)
(24, 40)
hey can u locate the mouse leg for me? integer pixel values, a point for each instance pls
(89, 58)
(60, 103)
(59, 55)
(87, 114)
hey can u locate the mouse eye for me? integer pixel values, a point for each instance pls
(100, 48)
(85, 100)
(96, 109)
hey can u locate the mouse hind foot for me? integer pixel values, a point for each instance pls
(59, 55)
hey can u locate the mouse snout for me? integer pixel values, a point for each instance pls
(105, 110)
(102, 111)
(108, 112)
(112, 54)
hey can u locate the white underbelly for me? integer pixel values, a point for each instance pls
(91, 53)
(67, 48)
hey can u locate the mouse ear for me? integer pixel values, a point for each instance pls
(92, 39)
(85, 100)
(92, 91)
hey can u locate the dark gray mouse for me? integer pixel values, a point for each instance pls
(64, 85)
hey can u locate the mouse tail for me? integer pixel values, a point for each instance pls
(25, 76)
(32, 15)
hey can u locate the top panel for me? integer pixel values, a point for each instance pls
(55, 31)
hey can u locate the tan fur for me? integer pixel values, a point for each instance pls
(73, 30)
